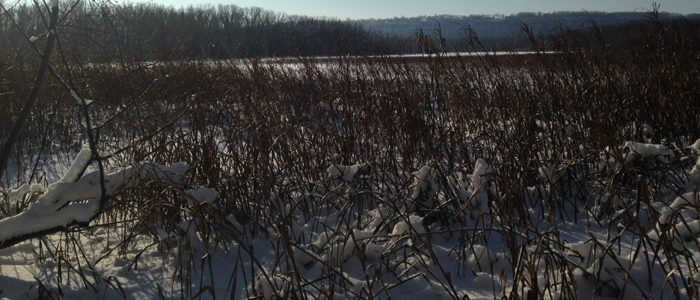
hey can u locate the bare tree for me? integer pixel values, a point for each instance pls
(36, 88)
(55, 209)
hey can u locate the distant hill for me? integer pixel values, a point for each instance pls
(503, 29)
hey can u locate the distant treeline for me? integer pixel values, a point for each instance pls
(150, 32)
(104, 31)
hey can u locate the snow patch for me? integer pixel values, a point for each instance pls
(346, 173)
(637, 150)
(202, 195)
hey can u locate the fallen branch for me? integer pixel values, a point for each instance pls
(56, 210)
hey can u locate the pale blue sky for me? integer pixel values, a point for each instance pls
(362, 9)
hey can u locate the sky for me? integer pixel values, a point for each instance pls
(365, 9)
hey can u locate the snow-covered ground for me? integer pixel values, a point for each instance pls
(407, 236)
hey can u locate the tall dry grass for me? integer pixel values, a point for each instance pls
(551, 125)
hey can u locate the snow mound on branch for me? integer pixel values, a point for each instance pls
(273, 287)
(17, 194)
(477, 198)
(638, 150)
(203, 194)
(696, 146)
(424, 186)
(88, 187)
(52, 209)
(346, 173)
(688, 199)
(481, 169)
(412, 225)
(483, 259)
(78, 166)
(694, 175)
(647, 132)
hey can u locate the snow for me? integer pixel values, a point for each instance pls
(413, 225)
(637, 150)
(346, 173)
(686, 200)
(648, 132)
(694, 175)
(384, 250)
(37, 219)
(80, 101)
(78, 166)
(696, 146)
(424, 190)
(17, 194)
(481, 170)
(88, 187)
(52, 210)
(202, 194)
(76, 98)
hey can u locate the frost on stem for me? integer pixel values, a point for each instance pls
(80, 101)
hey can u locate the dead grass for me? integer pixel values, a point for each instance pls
(550, 125)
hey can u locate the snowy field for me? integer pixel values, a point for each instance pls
(349, 237)
(568, 175)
